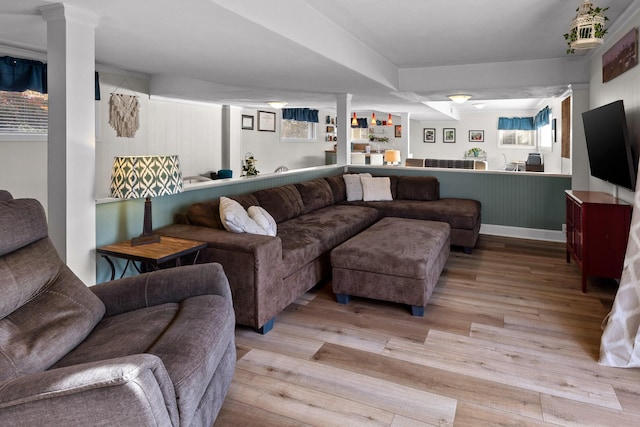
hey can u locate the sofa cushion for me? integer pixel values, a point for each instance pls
(282, 202)
(376, 188)
(23, 222)
(236, 219)
(307, 237)
(315, 194)
(338, 188)
(205, 214)
(55, 320)
(418, 188)
(263, 219)
(459, 213)
(190, 338)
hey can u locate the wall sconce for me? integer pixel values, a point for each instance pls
(134, 177)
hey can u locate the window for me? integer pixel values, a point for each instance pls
(294, 129)
(23, 113)
(516, 138)
(545, 136)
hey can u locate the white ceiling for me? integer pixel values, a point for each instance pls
(247, 52)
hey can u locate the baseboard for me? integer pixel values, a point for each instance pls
(523, 233)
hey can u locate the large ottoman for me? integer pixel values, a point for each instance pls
(396, 260)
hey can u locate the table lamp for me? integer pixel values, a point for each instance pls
(392, 157)
(135, 177)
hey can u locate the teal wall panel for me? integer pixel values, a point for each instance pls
(509, 199)
(514, 199)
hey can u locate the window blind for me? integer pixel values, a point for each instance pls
(23, 113)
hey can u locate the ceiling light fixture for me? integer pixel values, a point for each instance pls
(587, 28)
(277, 104)
(354, 120)
(459, 99)
(389, 121)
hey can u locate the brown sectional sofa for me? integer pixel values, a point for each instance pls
(268, 273)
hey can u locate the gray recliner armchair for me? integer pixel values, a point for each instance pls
(155, 349)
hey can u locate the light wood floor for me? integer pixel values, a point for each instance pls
(507, 339)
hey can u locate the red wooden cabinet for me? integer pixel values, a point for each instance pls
(597, 232)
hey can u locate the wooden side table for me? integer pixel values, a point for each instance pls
(152, 254)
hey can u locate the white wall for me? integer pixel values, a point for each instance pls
(273, 152)
(487, 121)
(23, 168)
(625, 87)
(190, 130)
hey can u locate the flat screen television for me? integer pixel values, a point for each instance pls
(611, 156)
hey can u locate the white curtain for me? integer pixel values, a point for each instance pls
(620, 343)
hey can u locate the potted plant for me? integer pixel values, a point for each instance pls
(475, 152)
(249, 166)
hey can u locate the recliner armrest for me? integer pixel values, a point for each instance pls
(163, 286)
(131, 390)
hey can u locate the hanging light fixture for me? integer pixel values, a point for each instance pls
(459, 99)
(389, 121)
(587, 28)
(354, 120)
(277, 104)
(373, 118)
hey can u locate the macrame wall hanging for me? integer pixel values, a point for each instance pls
(123, 113)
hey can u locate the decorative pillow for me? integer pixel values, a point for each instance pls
(376, 188)
(354, 186)
(235, 219)
(263, 219)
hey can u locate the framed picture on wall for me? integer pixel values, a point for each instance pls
(266, 121)
(476, 136)
(449, 135)
(247, 122)
(429, 135)
(398, 131)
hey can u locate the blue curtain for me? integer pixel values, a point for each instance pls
(542, 118)
(18, 75)
(300, 114)
(515, 123)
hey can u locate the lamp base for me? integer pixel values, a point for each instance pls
(145, 240)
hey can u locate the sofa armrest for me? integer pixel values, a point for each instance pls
(162, 286)
(253, 264)
(131, 390)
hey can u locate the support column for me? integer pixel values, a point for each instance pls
(405, 141)
(71, 159)
(343, 123)
(232, 139)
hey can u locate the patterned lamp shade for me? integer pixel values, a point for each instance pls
(135, 177)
